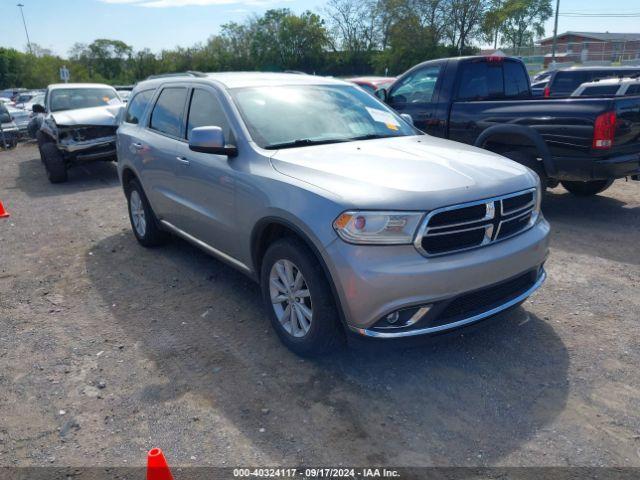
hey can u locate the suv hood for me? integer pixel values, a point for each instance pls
(107, 116)
(415, 173)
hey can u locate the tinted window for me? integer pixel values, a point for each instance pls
(567, 82)
(418, 87)
(167, 114)
(137, 106)
(480, 81)
(600, 90)
(633, 90)
(205, 111)
(515, 80)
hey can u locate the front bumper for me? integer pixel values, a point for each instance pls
(374, 281)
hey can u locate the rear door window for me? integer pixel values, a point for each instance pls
(137, 106)
(481, 81)
(167, 113)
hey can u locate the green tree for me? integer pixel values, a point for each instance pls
(523, 20)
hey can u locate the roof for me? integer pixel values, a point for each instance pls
(603, 37)
(250, 79)
(78, 85)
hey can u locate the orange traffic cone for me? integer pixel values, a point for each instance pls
(3, 212)
(157, 466)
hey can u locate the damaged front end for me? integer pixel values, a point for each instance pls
(88, 142)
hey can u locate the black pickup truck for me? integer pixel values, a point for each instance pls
(584, 143)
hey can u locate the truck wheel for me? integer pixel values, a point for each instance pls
(586, 189)
(298, 298)
(143, 221)
(53, 163)
(42, 140)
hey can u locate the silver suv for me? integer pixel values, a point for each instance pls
(349, 218)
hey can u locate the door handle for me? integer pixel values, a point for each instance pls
(137, 146)
(183, 160)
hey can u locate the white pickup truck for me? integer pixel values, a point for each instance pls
(78, 124)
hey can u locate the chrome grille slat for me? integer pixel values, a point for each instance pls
(429, 240)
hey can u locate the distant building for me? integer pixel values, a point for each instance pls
(585, 47)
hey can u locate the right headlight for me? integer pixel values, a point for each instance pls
(378, 228)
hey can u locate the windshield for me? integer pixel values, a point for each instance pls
(291, 116)
(74, 98)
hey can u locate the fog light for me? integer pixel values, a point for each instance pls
(393, 317)
(402, 318)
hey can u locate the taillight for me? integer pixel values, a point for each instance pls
(547, 92)
(604, 131)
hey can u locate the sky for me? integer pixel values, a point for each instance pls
(158, 24)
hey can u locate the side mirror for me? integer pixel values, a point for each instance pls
(5, 118)
(382, 94)
(211, 140)
(37, 108)
(407, 118)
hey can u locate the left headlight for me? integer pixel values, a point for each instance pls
(381, 228)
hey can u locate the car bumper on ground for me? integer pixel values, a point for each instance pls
(444, 292)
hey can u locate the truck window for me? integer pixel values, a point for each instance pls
(515, 80)
(167, 114)
(481, 81)
(418, 87)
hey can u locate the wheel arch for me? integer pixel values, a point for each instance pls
(270, 229)
(502, 138)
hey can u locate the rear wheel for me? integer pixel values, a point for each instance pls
(586, 189)
(53, 163)
(298, 298)
(143, 221)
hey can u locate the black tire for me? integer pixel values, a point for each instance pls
(587, 189)
(325, 331)
(42, 140)
(152, 235)
(53, 163)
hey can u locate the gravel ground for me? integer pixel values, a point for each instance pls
(108, 349)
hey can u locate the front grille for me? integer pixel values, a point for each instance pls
(481, 301)
(466, 226)
(83, 134)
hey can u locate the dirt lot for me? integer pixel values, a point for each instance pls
(108, 349)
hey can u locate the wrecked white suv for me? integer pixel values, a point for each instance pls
(78, 124)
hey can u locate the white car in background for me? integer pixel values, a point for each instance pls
(611, 86)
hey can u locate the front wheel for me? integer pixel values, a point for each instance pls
(298, 298)
(586, 189)
(54, 163)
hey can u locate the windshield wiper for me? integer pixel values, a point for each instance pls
(373, 136)
(305, 142)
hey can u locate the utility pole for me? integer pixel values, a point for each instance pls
(555, 34)
(25, 26)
